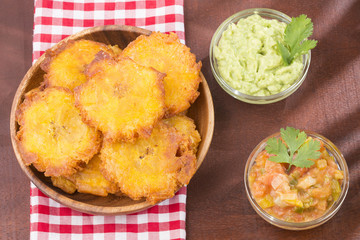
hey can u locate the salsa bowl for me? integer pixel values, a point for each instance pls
(332, 209)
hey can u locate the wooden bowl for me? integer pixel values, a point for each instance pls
(202, 111)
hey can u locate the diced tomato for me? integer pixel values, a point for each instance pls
(259, 189)
(278, 180)
(279, 211)
(322, 205)
(322, 193)
(331, 162)
(273, 167)
(322, 146)
(261, 159)
(300, 171)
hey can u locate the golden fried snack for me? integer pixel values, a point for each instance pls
(89, 180)
(64, 184)
(152, 167)
(52, 135)
(115, 49)
(65, 66)
(165, 53)
(121, 98)
(187, 128)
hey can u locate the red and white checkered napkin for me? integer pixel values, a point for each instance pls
(53, 21)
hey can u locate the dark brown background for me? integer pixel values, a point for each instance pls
(328, 103)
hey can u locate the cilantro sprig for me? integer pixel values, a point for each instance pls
(296, 151)
(295, 40)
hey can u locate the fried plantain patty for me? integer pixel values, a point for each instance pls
(165, 53)
(65, 65)
(89, 180)
(52, 135)
(153, 168)
(187, 128)
(121, 98)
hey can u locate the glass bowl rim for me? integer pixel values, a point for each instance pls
(242, 96)
(340, 161)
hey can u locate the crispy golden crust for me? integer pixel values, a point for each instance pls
(187, 128)
(115, 49)
(64, 184)
(65, 65)
(89, 180)
(52, 135)
(153, 168)
(121, 98)
(165, 53)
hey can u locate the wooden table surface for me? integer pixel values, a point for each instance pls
(328, 102)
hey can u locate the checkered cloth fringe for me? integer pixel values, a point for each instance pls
(53, 21)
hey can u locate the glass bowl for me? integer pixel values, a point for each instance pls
(340, 161)
(268, 14)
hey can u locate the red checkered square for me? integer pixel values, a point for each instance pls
(53, 21)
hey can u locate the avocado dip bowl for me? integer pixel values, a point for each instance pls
(245, 59)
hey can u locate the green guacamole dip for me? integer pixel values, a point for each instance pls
(248, 58)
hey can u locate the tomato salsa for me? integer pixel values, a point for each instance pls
(297, 195)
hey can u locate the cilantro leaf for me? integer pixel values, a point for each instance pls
(297, 150)
(293, 138)
(295, 39)
(277, 147)
(304, 47)
(297, 30)
(285, 54)
(309, 150)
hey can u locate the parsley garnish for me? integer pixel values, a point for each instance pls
(295, 42)
(297, 151)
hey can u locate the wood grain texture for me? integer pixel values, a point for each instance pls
(16, 24)
(328, 103)
(217, 208)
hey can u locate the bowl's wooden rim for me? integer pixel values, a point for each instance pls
(71, 203)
